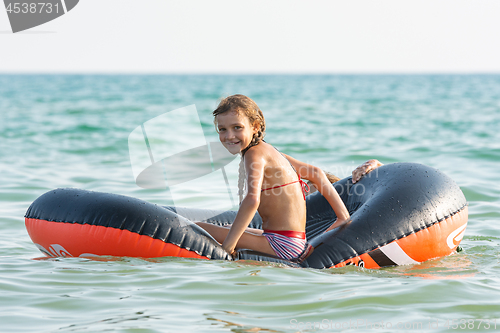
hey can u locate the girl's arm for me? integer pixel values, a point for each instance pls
(254, 166)
(321, 182)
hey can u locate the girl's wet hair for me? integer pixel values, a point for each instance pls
(243, 105)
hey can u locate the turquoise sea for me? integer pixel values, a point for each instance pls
(72, 131)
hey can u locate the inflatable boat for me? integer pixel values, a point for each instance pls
(402, 213)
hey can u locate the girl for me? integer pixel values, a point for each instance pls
(274, 186)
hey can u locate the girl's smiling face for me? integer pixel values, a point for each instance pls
(235, 131)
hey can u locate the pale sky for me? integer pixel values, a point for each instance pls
(270, 36)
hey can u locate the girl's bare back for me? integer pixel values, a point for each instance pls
(282, 205)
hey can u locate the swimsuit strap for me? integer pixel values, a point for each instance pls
(303, 184)
(277, 186)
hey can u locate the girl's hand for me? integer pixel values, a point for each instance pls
(338, 223)
(231, 251)
(363, 169)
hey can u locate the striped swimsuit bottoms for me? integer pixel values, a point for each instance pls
(286, 244)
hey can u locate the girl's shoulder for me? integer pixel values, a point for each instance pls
(262, 150)
(268, 156)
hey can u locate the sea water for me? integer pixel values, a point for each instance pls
(72, 131)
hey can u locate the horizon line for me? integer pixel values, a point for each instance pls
(243, 73)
